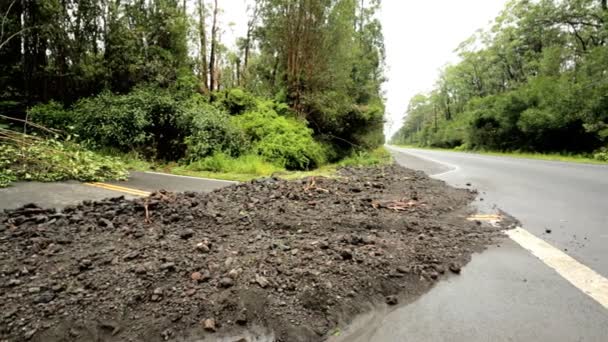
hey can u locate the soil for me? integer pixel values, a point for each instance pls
(265, 260)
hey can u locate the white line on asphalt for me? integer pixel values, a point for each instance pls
(191, 177)
(579, 275)
(402, 150)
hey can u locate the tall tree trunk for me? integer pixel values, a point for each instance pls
(250, 25)
(203, 68)
(212, 57)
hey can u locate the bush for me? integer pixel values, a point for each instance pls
(236, 101)
(601, 154)
(156, 123)
(280, 140)
(211, 131)
(52, 115)
(51, 160)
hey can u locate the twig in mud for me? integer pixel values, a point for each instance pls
(401, 205)
(147, 219)
(312, 185)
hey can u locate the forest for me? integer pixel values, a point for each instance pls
(82, 80)
(535, 81)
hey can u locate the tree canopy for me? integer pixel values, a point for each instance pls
(323, 58)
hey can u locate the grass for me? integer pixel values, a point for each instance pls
(247, 167)
(224, 167)
(572, 158)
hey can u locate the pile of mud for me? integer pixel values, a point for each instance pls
(294, 258)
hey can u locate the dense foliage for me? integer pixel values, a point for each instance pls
(50, 160)
(301, 88)
(536, 81)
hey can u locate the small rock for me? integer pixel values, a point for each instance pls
(324, 244)
(106, 223)
(403, 269)
(168, 266)
(392, 300)
(33, 290)
(346, 254)
(241, 318)
(262, 281)
(14, 282)
(131, 256)
(455, 268)
(186, 233)
(45, 297)
(202, 248)
(85, 264)
(209, 325)
(196, 276)
(29, 334)
(234, 273)
(140, 269)
(226, 282)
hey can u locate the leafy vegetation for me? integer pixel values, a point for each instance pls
(536, 81)
(301, 89)
(35, 159)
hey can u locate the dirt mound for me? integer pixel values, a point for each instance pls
(293, 258)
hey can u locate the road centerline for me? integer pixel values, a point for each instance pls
(126, 190)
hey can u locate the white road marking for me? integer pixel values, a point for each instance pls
(191, 177)
(579, 275)
(402, 150)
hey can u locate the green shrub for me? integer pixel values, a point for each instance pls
(210, 131)
(236, 100)
(601, 154)
(51, 160)
(281, 140)
(116, 121)
(52, 115)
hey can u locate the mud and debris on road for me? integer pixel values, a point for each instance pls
(293, 259)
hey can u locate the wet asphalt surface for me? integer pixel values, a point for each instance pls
(505, 293)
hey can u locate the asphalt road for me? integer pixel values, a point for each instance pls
(61, 194)
(569, 199)
(506, 293)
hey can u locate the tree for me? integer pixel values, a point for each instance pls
(212, 57)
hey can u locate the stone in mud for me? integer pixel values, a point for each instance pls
(186, 233)
(196, 276)
(403, 269)
(226, 282)
(202, 247)
(346, 254)
(106, 223)
(392, 300)
(455, 268)
(209, 325)
(168, 266)
(262, 281)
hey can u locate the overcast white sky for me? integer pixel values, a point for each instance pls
(420, 37)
